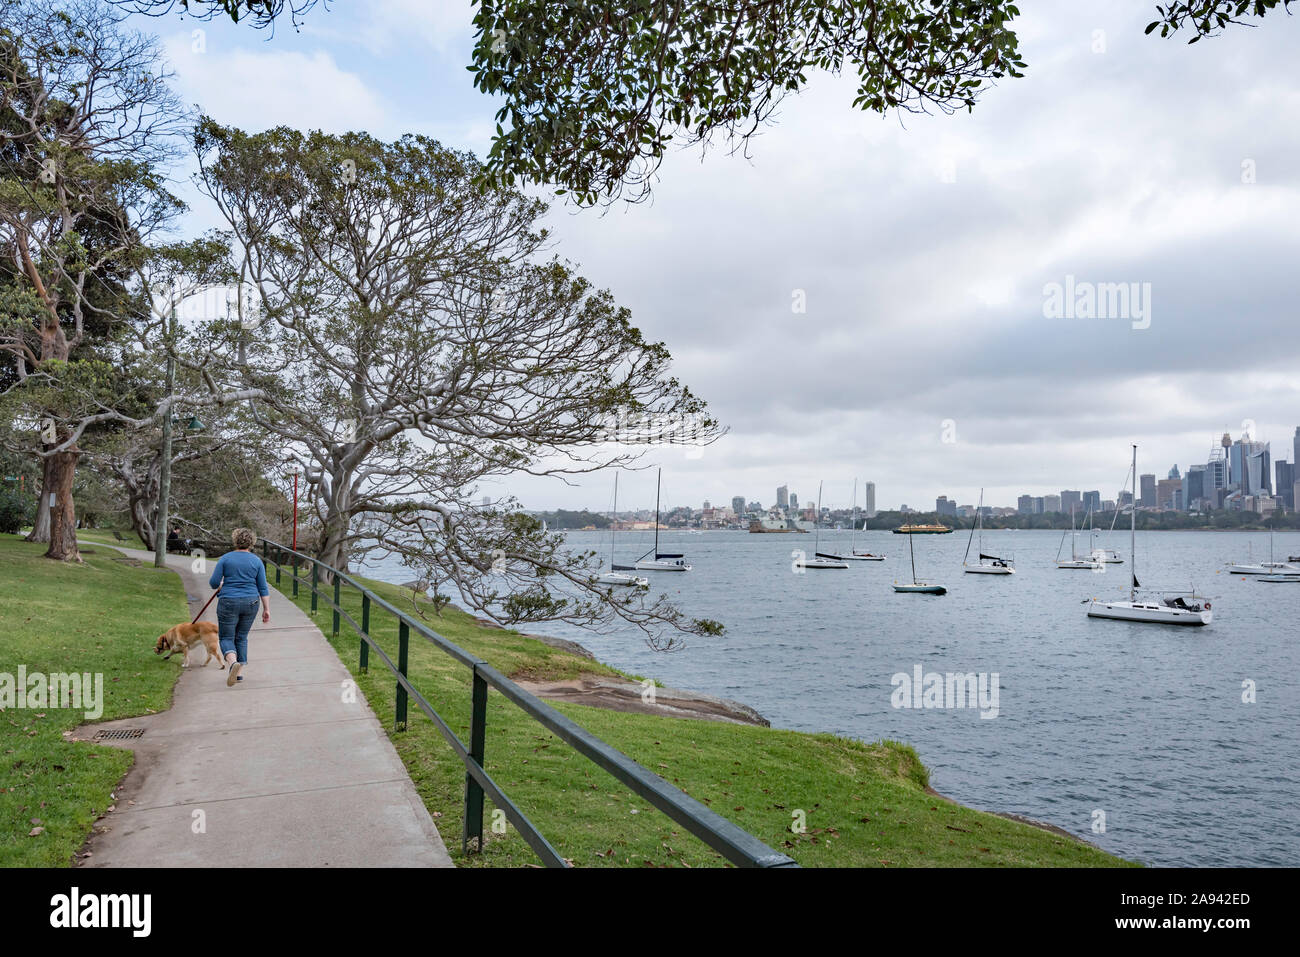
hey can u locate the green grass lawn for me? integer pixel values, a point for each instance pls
(100, 617)
(865, 805)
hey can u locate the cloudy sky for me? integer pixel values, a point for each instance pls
(923, 245)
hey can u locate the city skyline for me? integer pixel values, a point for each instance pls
(1152, 496)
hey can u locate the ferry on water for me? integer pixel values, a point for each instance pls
(922, 530)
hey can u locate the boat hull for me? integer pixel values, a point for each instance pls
(921, 589)
(989, 570)
(1273, 568)
(850, 558)
(622, 579)
(866, 558)
(652, 566)
(1081, 565)
(1149, 613)
(815, 563)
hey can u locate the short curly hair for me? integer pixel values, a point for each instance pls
(243, 538)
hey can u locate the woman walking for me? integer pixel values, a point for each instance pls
(241, 578)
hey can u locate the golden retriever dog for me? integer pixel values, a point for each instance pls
(186, 636)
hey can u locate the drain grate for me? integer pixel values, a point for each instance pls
(118, 733)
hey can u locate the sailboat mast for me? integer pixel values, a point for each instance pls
(817, 520)
(971, 537)
(1133, 532)
(1073, 557)
(853, 520)
(612, 519)
(658, 478)
(912, 551)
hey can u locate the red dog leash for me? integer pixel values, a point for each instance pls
(205, 606)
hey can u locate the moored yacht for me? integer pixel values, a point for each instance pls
(915, 586)
(854, 555)
(662, 561)
(987, 564)
(1092, 563)
(820, 559)
(620, 578)
(1165, 611)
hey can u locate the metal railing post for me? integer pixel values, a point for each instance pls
(337, 601)
(473, 829)
(315, 580)
(403, 642)
(365, 630)
(295, 576)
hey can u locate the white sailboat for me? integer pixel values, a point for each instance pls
(917, 587)
(614, 577)
(1090, 563)
(854, 555)
(1167, 611)
(662, 561)
(1269, 567)
(987, 564)
(820, 560)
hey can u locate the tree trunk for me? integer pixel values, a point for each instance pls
(333, 543)
(41, 524)
(63, 517)
(142, 514)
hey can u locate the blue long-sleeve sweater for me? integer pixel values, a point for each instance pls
(240, 575)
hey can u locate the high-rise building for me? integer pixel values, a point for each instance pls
(782, 497)
(1091, 500)
(1261, 470)
(1169, 493)
(869, 496)
(1147, 493)
(1295, 456)
(1125, 498)
(1193, 491)
(1249, 466)
(1051, 503)
(1286, 484)
(738, 505)
(1025, 505)
(1173, 472)
(945, 507)
(1216, 474)
(1040, 505)
(1071, 499)
(794, 502)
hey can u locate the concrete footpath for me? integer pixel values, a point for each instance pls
(278, 771)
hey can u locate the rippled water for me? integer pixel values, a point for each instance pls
(1143, 722)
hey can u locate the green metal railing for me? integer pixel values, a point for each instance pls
(732, 842)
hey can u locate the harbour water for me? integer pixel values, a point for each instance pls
(1143, 723)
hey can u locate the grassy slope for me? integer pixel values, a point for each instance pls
(865, 804)
(100, 617)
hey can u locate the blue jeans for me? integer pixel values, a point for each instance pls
(235, 616)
